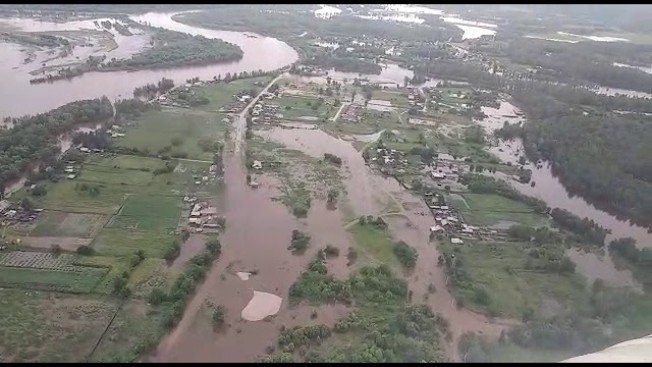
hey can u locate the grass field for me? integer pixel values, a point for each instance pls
(40, 326)
(60, 224)
(175, 126)
(397, 98)
(148, 212)
(375, 243)
(83, 280)
(302, 106)
(221, 94)
(489, 210)
(133, 329)
(500, 269)
(121, 242)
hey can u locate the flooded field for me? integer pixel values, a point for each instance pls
(549, 189)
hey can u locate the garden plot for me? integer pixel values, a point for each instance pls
(60, 224)
(301, 108)
(495, 210)
(35, 270)
(37, 260)
(148, 212)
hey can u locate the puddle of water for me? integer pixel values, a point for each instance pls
(262, 304)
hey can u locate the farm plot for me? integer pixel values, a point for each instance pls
(178, 133)
(301, 108)
(41, 326)
(37, 260)
(222, 94)
(490, 210)
(121, 242)
(61, 224)
(77, 279)
(74, 197)
(148, 212)
(395, 97)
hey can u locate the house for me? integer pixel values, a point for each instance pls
(436, 229)
(84, 149)
(456, 241)
(209, 211)
(71, 176)
(437, 175)
(257, 165)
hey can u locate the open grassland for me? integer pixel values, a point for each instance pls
(495, 279)
(175, 132)
(39, 326)
(374, 243)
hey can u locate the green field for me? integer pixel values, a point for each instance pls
(82, 280)
(397, 98)
(375, 243)
(121, 242)
(148, 212)
(500, 269)
(115, 266)
(293, 107)
(489, 210)
(222, 94)
(60, 224)
(175, 126)
(41, 326)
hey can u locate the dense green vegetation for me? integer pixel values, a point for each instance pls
(172, 49)
(405, 254)
(585, 61)
(383, 328)
(299, 242)
(35, 137)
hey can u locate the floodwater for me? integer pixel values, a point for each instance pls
(18, 97)
(549, 188)
(647, 69)
(257, 235)
(368, 191)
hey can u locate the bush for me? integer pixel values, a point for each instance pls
(172, 251)
(299, 242)
(333, 159)
(406, 255)
(218, 315)
(331, 251)
(85, 250)
(214, 247)
(156, 296)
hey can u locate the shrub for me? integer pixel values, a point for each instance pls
(406, 255)
(299, 242)
(331, 251)
(85, 250)
(156, 296)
